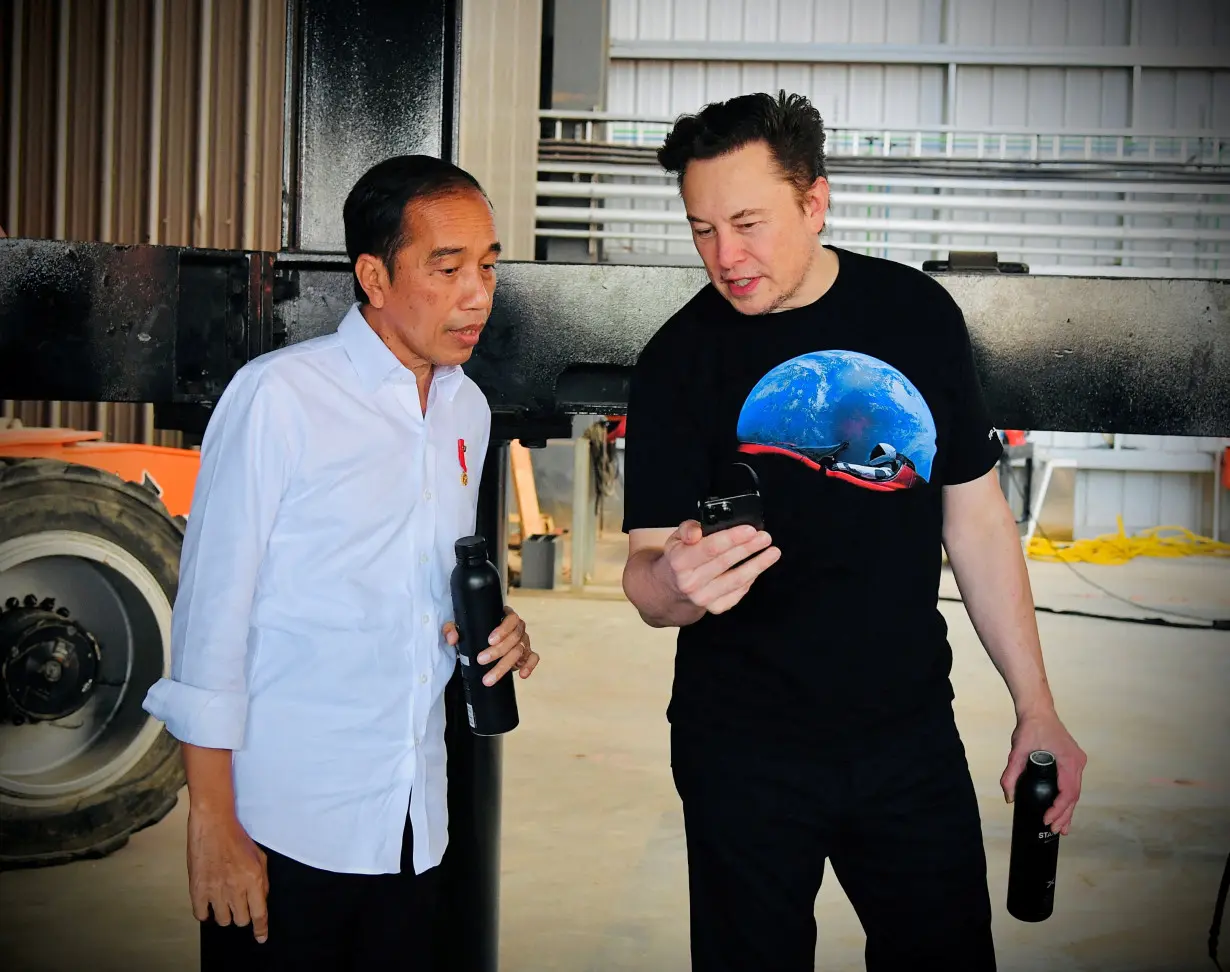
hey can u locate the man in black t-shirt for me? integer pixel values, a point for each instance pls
(811, 714)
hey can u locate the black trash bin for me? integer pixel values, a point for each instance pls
(541, 566)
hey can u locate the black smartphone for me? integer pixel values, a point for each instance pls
(735, 509)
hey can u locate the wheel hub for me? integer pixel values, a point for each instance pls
(48, 662)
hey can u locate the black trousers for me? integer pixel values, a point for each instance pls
(898, 821)
(328, 921)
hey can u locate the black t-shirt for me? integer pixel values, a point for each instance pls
(854, 412)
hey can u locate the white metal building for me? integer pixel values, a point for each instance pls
(1076, 136)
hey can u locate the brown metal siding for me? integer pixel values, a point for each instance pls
(140, 121)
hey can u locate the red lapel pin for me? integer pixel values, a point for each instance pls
(461, 458)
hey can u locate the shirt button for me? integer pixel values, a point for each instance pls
(427, 494)
(423, 559)
(426, 619)
(423, 679)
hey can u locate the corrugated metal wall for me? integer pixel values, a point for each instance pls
(902, 94)
(871, 94)
(140, 121)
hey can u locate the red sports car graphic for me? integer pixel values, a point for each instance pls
(886, 469)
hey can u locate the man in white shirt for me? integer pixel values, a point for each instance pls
(311, 637)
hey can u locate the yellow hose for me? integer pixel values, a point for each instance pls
(1119, 548)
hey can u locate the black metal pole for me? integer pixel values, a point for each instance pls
(468, 936)
(365, 80)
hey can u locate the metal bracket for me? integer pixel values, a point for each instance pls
(973, 261)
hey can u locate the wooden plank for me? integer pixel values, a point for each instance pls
(526, 492)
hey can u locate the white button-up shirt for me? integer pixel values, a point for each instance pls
(314, 586)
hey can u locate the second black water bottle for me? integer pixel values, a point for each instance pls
(1034, 859)
(478, 609)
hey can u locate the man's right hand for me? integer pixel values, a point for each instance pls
(702, 569)
(226, 872)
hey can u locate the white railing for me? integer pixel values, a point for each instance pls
(1168, 216)
(928, 200)
(1001, 143)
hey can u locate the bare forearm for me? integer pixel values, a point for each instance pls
(986, 559)
(211, 788)
(648, 589)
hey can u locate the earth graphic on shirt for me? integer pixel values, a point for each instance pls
(845, 414)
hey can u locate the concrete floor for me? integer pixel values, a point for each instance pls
(594, 868)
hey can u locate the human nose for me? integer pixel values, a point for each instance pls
(478, 292)
(729, 249)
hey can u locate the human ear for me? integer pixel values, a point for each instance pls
(373, 278)
(816, 203)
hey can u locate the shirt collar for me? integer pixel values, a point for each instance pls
(375, 363)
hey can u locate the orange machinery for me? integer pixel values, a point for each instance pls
(90, 539)
(170, 473)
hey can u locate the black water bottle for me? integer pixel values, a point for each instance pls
(478, 609)
(1035, 850)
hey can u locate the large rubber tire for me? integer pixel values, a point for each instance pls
(38, 496)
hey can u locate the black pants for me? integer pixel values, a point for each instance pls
(899, 822)
(328, 921)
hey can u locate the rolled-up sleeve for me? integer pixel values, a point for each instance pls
(246, 463)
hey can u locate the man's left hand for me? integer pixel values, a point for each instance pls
(1047, 732)
(510, 643)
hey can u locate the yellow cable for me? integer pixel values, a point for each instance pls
(1119, 548)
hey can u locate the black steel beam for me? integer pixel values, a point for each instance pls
(114, 323)
(1098, 354)
(170, 325)
(366, 80)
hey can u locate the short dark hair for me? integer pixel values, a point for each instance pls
(789, 124)
(374, 212)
